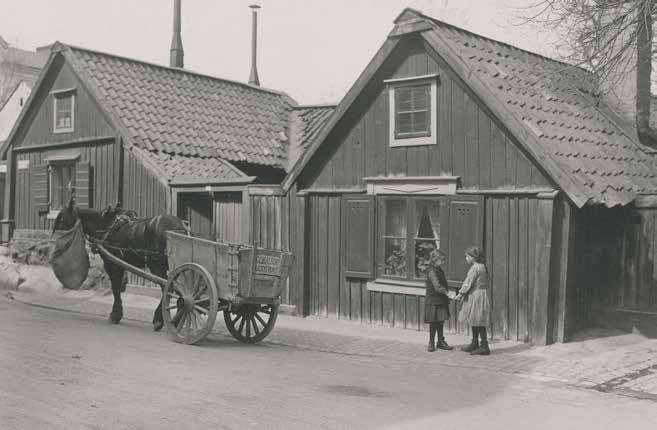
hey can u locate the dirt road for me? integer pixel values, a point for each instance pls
(63, 370)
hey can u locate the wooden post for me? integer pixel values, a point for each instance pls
(564, 274)
(247, 217)
(8, 215)
(302, 227)
(541, 332)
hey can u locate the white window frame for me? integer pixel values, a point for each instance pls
(393, 84)
(54, 161)
(61, 94)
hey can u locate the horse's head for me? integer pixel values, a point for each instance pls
(93, 221)
(67, 217)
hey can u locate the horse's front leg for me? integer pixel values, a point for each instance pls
(116, 278)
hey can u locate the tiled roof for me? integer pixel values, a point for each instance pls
(177, 114)
(178, 166)
(305, 124)
(580, 138)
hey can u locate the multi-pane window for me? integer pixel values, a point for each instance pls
(409, 229)
(62, 184)
(64, 107)
(412, 111)
(413, 107)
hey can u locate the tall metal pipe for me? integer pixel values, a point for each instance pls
(176, 53)
(253, 78)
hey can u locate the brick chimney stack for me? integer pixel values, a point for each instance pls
(253, 78)
(176, 53)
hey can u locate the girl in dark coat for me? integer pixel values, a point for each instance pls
(436, 305)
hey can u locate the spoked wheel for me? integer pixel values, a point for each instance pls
(189, 303)
(250, 323)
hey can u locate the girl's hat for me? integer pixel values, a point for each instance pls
(477, 253)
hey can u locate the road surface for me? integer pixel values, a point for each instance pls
(65, 370)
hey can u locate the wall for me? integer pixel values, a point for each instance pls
(471, 143)
(142, 190)
(511, 227)
(104, 160)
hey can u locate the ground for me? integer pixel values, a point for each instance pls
(71, 370)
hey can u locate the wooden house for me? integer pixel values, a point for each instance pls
(158, 139)
(449, 139)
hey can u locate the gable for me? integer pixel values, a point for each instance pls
(547, 107)
(471, 143)
(11, 108)
(37, 124)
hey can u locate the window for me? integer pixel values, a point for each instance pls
(413, 105)
(64, 108)
(62, 184)
(409, 229)
(412, 111)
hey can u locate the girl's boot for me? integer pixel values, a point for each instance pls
(483, 344)
(475, 343)
(441, 338)
(432, 337)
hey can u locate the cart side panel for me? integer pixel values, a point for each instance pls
(269, 270)
(223, 276)
(179, 249)
(246, 262)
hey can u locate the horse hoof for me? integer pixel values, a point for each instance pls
(157, 326)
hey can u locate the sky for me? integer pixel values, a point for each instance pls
(313, 50)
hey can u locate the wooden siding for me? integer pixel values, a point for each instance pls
(269, 229)
(143, 191)
(294, 236)
(471, 144)
(228, 218)
(511, 225)
(37, 126)
(104, 160)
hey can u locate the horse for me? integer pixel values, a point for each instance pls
(142, 243)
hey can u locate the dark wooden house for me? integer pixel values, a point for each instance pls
(449, 139)
(158, 139)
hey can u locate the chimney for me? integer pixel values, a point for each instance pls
(626, 83)
(253, 78)
(176, 53)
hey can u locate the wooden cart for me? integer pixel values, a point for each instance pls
(205, 277)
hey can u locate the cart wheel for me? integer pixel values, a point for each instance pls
(250, 323)
(189, 303)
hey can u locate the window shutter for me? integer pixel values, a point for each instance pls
(82, 185)
(463, 218)
(40, 187)
(358, 236)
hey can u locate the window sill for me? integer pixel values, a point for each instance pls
(63, 130)
(412, 141)
(397, 287)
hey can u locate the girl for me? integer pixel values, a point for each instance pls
(436, 307)
(475, 310)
